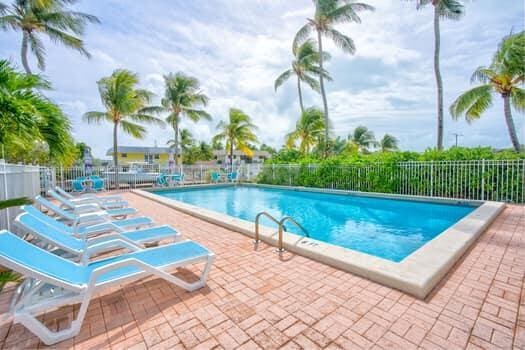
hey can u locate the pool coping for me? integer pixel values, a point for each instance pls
(417, 274)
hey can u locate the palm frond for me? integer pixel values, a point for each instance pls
(342, 41)
(311, 82)
(472, 103)
(94, 117)
(451, 9)
(482, 75)
(282, 78)
(37, 47)
(142, 117)
(67, 40)
(301, 35)
(196, 114)
(135, 130)
(517, 99)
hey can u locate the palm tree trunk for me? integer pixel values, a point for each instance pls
(23, 53)
(231, 155)
(176, 128)
(115, 154)
(323, 93)
(510, 122)
(439, 81)
(300, 94)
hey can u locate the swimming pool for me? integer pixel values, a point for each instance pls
(390, 229)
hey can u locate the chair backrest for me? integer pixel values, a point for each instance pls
(215, 176)
(98, 183)
(161, 179)
(78, 185)
(29, 260)
(31, 210)
(49, 234)
(232, 176)
(54, 208)
(61, 199)
(64, 193)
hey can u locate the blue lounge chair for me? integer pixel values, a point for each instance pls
(74, 218)
(113, 208)
(88, 196)
(95, 227)
(52, 281)
(83, 248)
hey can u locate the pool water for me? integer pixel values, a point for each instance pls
(387, 228)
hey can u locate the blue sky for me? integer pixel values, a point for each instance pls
(237, 48)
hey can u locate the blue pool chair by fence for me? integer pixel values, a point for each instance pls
(81, 249)
(78, 185)
(161, 180)
(176, 179)
(215, 177)
(53, 282)
(97, 183)
(232, 177)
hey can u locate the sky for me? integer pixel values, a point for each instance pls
(237, 48)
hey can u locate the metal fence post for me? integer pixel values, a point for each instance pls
(483, 179)
(431, 178)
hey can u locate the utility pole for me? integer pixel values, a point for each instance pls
(457, 135)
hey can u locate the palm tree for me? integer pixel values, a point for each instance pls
(308, 130)
(443, 9)
(186, 141)
(125, 107)
(362, 139)
(504, 76)
(182, 97)
(27, 116)
(304, 66)
(238, 133)
(327, 14)
(49, 17)
(388, 143)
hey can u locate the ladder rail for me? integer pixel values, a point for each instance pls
(282, 228)
(257, 219)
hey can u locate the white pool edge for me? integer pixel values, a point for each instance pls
(417, 274)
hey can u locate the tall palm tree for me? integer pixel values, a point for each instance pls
(504, 77)
(443, 9)
(327, 14)
(304, 66)
(308, 130)
(49, 17)
(125, 107)
(182, 97)
(238, 133)
(362, 139)
(388, 143)
(186, 141)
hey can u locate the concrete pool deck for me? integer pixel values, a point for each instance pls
(417, 274)
(256, 300)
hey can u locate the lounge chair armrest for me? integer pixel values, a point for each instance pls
(119, 264)
(109, 244)
(87, 208)
(106, 238)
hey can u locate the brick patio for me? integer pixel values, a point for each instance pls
(255, 300)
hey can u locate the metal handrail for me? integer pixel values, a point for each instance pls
(257, 240)
(281, 227)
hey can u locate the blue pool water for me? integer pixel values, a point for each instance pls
(387, 228)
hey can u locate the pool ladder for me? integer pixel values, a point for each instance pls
(281, 226)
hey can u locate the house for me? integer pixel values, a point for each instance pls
(160, 155)
(222, 157)
(132, 154)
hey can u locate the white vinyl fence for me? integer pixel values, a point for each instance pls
(16, 181)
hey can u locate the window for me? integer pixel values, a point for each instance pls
(157, 156)
(124, 155)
